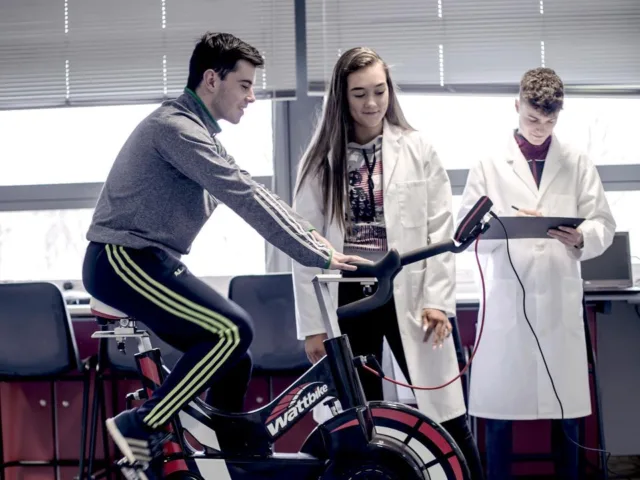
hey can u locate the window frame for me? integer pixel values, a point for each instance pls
(292, 122)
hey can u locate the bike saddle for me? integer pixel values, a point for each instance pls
(105, 313)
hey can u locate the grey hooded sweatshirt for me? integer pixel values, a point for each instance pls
(169, 177)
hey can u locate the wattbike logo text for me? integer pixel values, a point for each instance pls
(298, 406)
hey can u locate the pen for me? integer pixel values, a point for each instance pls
(515, 208)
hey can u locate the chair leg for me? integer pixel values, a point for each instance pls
(98, 392)
(1, 441)
(86, 385)
(105, 439)
(115, 394)
(54, 429)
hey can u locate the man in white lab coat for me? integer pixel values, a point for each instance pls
(538, 175)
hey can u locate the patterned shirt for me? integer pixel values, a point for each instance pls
(366, 229)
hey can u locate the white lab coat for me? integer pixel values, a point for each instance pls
(508, 376)
(417, 210)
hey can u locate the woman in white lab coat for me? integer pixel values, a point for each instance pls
(369, 182)
(537, 174)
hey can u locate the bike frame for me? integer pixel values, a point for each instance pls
(336, 442)
(333, 377)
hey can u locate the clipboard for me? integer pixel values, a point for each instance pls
(527, 227)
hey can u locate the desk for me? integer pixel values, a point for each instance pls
(471, 300)
(615, 320)
(618, 363)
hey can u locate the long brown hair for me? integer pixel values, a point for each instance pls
(335, 128)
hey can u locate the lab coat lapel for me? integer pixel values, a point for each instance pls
(520, 166)
(552, 166)
(390, 151)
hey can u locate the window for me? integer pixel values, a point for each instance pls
(43, 245)
(465, 128)
(64, 145)
(227, 245)
(461, 128)
(50, 245)
(604, 127)
(624, 207)
(250, 142)
(77, 145)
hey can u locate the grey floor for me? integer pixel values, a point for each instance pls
(624, 468)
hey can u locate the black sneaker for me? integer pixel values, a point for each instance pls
(142, 448)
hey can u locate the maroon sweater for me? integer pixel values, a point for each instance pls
(535, 155)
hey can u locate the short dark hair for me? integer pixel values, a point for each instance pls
(543, 89)
(219, 52)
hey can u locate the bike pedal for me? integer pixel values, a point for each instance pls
(130, 471)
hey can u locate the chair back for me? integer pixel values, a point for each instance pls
(36, 333)
(269, 301)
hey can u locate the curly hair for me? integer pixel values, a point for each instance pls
(543, 89)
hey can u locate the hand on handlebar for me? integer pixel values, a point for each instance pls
(340, 261)
(435, 322)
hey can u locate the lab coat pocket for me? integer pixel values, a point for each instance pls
(502, 305)
(563, 206)
(572, 304)
(412, 199)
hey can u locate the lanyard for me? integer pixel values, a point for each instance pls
(370, 167)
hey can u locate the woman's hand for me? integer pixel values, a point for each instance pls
(314, 347)
(339, 261)
(435, 321)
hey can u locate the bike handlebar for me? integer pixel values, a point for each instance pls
(386, 269)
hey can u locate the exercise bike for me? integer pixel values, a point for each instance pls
(362, 440)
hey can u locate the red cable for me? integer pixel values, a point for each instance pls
(475, 349)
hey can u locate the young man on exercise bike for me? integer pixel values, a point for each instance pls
(164, 185)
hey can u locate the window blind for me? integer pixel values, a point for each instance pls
(32, 60)
(114, 51)
(480, 45)
(490, 42)
(268, 25)
(91, 52)
(405, 33)
(593, 42)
